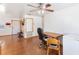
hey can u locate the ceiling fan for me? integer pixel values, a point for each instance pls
(42, 7)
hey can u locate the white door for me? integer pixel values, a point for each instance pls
(15, 26)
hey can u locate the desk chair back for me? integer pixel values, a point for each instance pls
(41, 37)
(40, 33)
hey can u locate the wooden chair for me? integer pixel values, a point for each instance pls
(53, 44)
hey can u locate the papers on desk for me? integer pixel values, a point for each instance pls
(45, 39)
(53, 45)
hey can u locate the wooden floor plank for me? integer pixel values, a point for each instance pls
(15, 46)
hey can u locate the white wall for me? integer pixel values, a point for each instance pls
(4, 18)
(37, 23)
(14, 12)
(11, 12)
(63, 21)
(7, 30)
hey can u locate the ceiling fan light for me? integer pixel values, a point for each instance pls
(41, 11)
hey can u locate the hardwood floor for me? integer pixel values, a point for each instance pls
(14, 46)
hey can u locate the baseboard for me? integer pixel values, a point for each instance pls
(8, 35)
(31, 37)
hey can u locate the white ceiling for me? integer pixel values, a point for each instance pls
(20, 9)
(60, 6)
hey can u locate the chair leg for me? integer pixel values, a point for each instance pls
(0, 50)
(48, 51)
(58, 52)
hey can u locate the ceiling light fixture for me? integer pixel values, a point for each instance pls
(41, 11)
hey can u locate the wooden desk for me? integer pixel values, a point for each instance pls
(54, 35)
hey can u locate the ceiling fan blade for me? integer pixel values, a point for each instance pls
(49, 10)
(31, 5)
